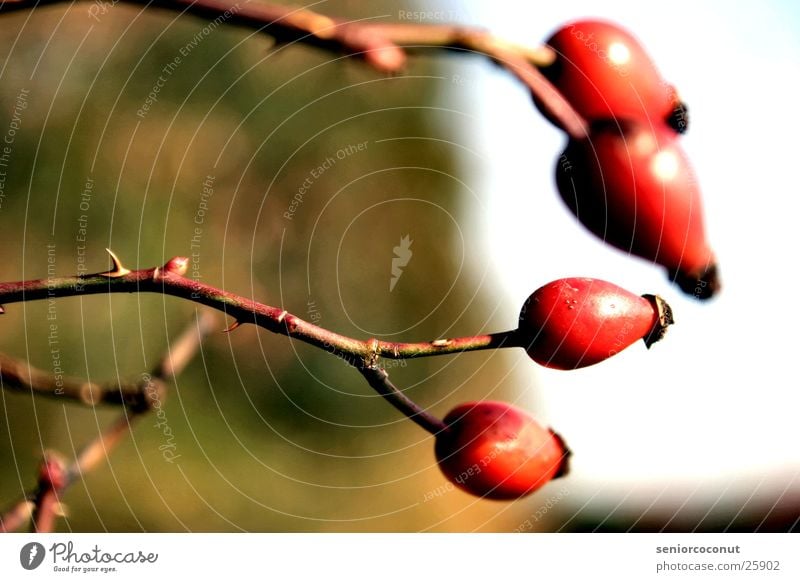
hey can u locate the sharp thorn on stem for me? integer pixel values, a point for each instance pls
(232, 326)
(60, 509)
(118, 270)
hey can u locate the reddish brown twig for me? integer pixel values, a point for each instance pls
(53, 480)
(382, 45)
(19, 376)
(43, 504)
(170, 280)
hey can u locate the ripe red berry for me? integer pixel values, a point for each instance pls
(632, 185)
(495, 450)
(603, 71)
(577, 322)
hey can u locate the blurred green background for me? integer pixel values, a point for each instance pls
(272, 435)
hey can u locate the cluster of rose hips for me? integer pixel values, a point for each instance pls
(628, 180)
(630, 183)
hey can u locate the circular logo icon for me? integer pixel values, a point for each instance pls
(31, 555)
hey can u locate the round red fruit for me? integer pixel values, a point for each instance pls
(604, 72)
(632, 185)
(495, 450)
(576, 322)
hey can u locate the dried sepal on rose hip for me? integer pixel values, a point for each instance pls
(603, 71)
(497, 451)
(632, 185)
(576, 322)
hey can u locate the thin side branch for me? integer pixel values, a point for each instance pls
(381, 45)
(15, 517)
(19, 376)
(379, 380)
(55, 476)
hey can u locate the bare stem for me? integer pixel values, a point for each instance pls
(19, 376)
(183, 349)
(169, 280)
(381, 45)
(43, 504)
(52, 481)
(379, 380)
(17, 515)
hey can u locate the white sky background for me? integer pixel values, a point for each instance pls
(715, 405)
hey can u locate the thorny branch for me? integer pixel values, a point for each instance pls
(169, 280)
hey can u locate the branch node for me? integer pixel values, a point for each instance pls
(117, 269)
(290, 321)
(319, 25)
(385, 58)
(152, 394)
(52, 472)
(90, 394)
(374, 353)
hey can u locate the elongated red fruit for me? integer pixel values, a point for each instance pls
(495, 450)
(605, 73)
(632, 185)
(576, 322)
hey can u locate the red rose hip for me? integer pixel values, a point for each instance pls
(632, 185)
(576, 322)
(495, 450)
(604, 72)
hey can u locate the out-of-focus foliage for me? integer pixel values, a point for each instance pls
(270, 434)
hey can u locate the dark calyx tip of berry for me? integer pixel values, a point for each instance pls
(664, 320)
(678, 118)
(563, 468)
(703, 286)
